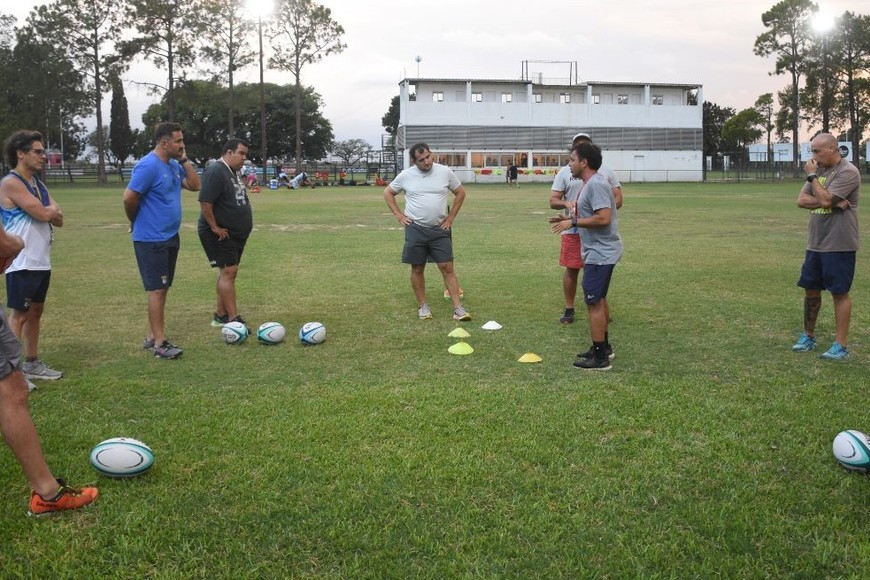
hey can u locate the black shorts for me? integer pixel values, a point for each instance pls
(596, 282)
(26, 286)
(424, 244)
(157, 262)
(221, 253)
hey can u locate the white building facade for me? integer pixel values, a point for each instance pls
(647, 132)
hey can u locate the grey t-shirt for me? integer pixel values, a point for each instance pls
(600, 245)
(834, 229)
(426, 193)
(570, 187)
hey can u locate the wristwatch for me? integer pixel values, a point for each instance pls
(811, 177)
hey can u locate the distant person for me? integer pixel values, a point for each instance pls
(565, 191)
(301, 180)
(512, 172)
(225, 222)
(49, 494)
(428, 220)
(598, 221)
(30, 212)
(831, 195)
(152, 202)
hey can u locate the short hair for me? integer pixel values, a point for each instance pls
(418, 148)
(591, 153)
(19, 141)
(233, 144)
(165, 131)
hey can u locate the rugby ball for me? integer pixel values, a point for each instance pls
(271, 333)
(852, 450)
(122, 457)
(312, 333)
(234, 332)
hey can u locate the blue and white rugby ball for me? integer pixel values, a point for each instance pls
(852, 450)
(234, 332)
(122, 457)
(312, 333)
(271, 333)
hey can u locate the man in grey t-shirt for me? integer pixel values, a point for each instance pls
(831, 195)
(428, 223)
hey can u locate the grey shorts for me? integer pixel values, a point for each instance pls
(424, 244)
(10, 348)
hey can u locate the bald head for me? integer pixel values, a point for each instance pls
(825, 150)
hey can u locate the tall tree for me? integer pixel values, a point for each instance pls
(227, 47)
(714, 118)
(788, 37)
(121, 138)
(168, 31)
(784, 115)
(91, 32)
(767, 116)
(390, 120)
(302, 33)
(853, 43)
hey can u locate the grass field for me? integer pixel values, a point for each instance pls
(705, 452)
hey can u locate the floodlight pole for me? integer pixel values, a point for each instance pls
(262, 105)
(826, 98)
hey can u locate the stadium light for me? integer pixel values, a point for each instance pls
(261, 9)
(823, 23)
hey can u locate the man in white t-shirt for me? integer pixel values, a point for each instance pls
(565, 192)
(427, 220)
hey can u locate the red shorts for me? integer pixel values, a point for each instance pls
(570, 253)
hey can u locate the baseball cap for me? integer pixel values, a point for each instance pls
(581, 135)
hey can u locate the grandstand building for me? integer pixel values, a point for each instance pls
(647, 131)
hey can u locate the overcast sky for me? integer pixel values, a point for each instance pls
(708, 42)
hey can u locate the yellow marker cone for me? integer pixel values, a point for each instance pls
(447, 294)
(459, 333)
(530, 357)
(460, 348)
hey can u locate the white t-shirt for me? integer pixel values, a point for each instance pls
(571, 186)
(426, 193)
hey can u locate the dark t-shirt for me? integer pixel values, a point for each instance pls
(224, 189)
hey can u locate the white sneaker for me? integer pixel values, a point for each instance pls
(30, 386)
(425, 313)
(461, 314)
(39, 370)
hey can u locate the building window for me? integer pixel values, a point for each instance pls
(437, 97)
(476, 97)
(564, 98)
(621, 99)
(596, 99)
(537, 97)
(658, 100)
(507, 97)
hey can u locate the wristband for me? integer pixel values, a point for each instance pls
(574, 222)
(811, 177)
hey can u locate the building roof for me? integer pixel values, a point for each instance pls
(556, 85)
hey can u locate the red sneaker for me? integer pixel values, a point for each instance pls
(67, 498)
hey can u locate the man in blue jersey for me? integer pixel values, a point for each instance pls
(152, 202)
(30, 212)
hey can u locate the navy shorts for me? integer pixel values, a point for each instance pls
(596, 282)
(157, 262)
(26, 286)
(831, 271)
(424, 244)
(221, 253)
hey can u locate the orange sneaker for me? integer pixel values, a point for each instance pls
(67, 498)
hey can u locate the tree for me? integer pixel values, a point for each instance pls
(121, 138)
(390, 120)
(714, 118)
(302, 33)
(742, 129)
(784, 115)
(788, 38)
(227, 47)
(350, 151)
(168, 31)
(91, 32)
(766, 114)
(853, 43)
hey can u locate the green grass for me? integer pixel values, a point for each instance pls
(706, 451)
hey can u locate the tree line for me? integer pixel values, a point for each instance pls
(829, 89)
(68, 54)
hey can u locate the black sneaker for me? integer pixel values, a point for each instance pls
(593, 364)
(218, 321)
(568, 316)
(588, 354)
(167, 350)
